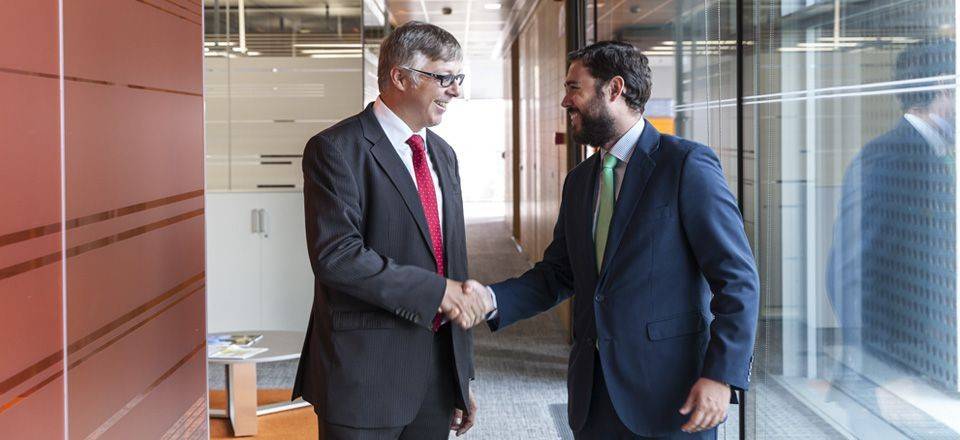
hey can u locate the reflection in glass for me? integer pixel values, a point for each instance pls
(892, 276)
(853, 108)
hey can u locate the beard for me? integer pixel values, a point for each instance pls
(596, 124)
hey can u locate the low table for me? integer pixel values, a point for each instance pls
(241, 379)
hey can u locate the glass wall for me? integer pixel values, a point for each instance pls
(275, 75)
(840, 145)
(853, 108)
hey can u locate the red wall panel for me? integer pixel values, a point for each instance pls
(133, 122)
(31, 385)
(131, 189)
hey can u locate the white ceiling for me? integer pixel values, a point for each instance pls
(478, 29)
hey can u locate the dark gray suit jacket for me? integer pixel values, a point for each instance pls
(369, 341)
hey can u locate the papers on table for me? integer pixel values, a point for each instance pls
(233, 346)
(233, 352)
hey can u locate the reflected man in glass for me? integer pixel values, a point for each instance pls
(891, 274)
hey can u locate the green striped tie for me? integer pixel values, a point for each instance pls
(608, 197)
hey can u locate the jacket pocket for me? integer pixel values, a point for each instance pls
(343, 321)
(685, 324)
(657, 213)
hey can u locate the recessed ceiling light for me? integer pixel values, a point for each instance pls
(492, 6)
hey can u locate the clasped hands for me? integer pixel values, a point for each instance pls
(466, 304)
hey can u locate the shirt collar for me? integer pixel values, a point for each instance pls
(930, 134)
(396, 130)
(623, 149)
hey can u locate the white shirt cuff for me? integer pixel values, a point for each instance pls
(493, 296)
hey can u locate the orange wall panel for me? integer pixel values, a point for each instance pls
(131, 191)
(133, 120)
(146, 43)
(130, 146)
(31, 385)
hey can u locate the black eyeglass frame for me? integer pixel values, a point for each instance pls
(445, 80)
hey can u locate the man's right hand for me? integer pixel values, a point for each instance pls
(473, 287)
(464, 306)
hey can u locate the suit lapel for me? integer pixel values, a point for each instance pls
(635, 179)
(386, 156)
(444, 164)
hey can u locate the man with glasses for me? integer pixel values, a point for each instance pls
(387, 354)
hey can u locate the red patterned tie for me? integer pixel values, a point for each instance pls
(428, 198)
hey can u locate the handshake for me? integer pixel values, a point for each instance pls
(467, 303)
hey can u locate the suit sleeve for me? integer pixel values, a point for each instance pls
(714, 229)
(339, 258)
(549, 282)
(845, 260)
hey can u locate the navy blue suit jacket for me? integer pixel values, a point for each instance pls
(676, 298)
(894, 244)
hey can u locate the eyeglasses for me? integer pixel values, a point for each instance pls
(445, 80)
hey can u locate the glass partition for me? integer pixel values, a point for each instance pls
(853, 108)
(275, 75)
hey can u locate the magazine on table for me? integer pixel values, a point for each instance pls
(238, 339)
(235, 352)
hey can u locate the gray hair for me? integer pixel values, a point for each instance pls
(412, 45)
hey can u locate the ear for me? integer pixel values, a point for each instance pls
(397, 79)
(616, 85)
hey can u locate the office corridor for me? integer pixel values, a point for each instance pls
(521, 371)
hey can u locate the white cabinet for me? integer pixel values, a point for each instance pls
(258, 272)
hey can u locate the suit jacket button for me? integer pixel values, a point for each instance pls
(599, 298)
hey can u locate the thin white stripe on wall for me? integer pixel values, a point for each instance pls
(63, 222)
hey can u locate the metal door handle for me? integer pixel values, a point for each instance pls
(264, 223)
(255, 226)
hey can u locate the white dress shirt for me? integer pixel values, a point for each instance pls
(933, 137)
(398, 132)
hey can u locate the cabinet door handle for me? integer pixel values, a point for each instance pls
(255, 221)
(264, 222)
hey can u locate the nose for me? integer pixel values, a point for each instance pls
(454, 90)
(565, 103)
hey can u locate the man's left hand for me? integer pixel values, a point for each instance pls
(462, 423)
(708, 400)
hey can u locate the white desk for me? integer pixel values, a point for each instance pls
(241, 379)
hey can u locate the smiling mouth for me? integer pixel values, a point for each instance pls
(441, 104)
